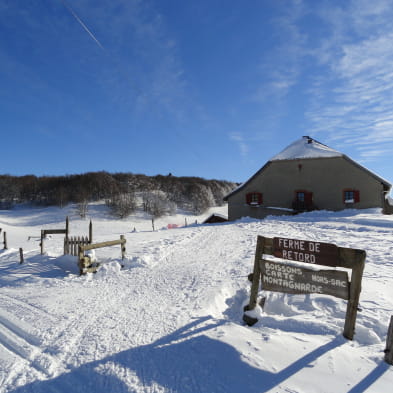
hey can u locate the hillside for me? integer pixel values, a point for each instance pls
(171, 319)
(160, 194)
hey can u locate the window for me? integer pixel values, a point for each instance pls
(254, 198)
(303, 201)
(300, 196)
(304, 197)
(351, 196)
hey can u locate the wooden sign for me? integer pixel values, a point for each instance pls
(306, 251)
(281, 277)
(294, 278)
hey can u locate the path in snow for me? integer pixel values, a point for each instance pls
(170, 321)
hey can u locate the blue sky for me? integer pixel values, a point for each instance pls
(193, 88)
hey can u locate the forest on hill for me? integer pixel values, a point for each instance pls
(123, 192)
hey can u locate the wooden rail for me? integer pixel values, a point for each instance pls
(45, 232)
(86, 265)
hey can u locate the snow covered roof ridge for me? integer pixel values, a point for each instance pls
(306, 147)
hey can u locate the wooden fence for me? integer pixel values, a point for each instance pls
(45, 232)
(71, 244)
(85, 263)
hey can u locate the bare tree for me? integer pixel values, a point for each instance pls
(157, 203)
(122, 204)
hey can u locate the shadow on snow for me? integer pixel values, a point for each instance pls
(180, 362)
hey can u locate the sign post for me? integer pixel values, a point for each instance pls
(293, 278)
(389, 343)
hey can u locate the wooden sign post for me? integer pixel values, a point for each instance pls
(389, 343)
(293, 278)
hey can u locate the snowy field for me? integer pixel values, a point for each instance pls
(171, 319)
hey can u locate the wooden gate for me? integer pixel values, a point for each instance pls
(71, 244)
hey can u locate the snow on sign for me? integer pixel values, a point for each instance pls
(305, 251)
(280, 277)
(293, 278)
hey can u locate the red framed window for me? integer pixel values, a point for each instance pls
(254, 199)
(305, 197)
(303, 200)
(351, 196)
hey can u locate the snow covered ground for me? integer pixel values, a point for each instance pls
(171, 319)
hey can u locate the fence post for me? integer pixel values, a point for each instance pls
(81, 254)
(21, 255)
(5, 240)
(67, 226)
(389, 343)
(123, 247)
(42, 242)
(90, 232)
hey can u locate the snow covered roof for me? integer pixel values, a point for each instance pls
(217, 215)
(306, 147)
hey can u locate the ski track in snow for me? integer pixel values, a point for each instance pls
(171, 319)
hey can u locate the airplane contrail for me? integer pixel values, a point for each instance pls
(72, 12)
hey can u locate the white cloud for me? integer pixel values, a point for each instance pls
(241, 143)
(353, 102)
(281, 67)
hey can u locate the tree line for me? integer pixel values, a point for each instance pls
(123, 192)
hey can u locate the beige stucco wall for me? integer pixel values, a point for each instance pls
(326, 178)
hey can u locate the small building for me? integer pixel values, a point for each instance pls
(307, 175)
(215, 218)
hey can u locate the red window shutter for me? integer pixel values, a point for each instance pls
(254, 198)
(308, 198)
(356, 194)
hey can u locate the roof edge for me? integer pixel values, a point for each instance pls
(237, 189)
(344, 156)
(382, 180)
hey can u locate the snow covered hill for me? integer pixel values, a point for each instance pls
(171, 319)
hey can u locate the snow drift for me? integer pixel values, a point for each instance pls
(171, 319)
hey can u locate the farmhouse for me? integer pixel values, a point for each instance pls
(308, 175)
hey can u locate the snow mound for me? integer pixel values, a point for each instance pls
(68, 263)
(138, 261)
(109, 269)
